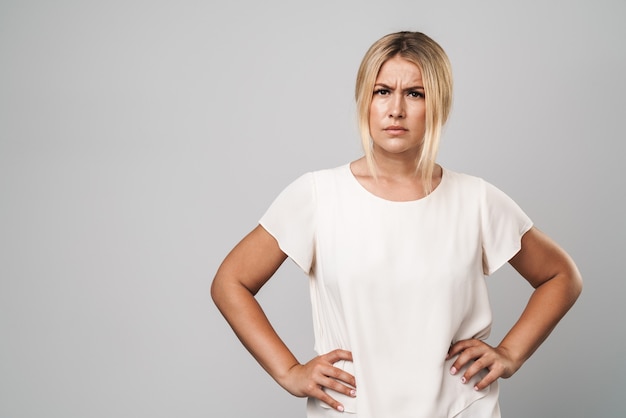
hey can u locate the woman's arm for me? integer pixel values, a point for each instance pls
(242, 274)
(557, 282)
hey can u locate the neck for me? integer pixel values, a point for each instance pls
(395, 180)
(395, 165)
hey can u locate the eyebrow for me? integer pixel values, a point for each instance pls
(383, 85)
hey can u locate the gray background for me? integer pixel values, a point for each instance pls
(140, 140)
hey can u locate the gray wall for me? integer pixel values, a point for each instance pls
(140, 140)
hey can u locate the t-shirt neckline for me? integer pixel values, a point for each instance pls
(363, 190)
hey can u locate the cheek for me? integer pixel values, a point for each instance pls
(372, 116)
(376, 111)
(419, 115)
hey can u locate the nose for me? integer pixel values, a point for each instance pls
(396, 108)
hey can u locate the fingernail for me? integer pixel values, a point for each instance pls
(353, 392)
(453, 370)
(340, 408)
(463, 380)
(476, 388)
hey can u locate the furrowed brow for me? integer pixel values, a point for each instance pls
(408, 89)
(413, 88)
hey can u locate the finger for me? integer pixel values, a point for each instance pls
(459, 363)
(478, 365)
(460, 346)
(337, 386)
(338, 354)
(467, 355)
(489, 378)
(327, 399)
(341, 375)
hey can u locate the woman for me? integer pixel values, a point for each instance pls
(396, 248)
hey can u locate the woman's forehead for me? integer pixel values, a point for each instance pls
(399, 68)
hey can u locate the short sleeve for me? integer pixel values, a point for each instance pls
(503, 223)
(290, 219)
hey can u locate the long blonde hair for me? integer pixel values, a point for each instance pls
(436, 71)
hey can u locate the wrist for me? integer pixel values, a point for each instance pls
(516, 357)
(282, 376)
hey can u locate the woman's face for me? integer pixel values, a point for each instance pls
(397, 113)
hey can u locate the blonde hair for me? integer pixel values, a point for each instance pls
(436, 71)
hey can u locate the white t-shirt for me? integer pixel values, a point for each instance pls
(397, 283)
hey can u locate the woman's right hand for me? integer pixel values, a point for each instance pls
(309, 379)
(242, 274)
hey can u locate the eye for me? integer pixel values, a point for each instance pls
(381, 92)
(416, 94)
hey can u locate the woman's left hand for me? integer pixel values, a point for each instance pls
(497, 360)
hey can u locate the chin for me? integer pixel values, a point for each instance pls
(396, 148)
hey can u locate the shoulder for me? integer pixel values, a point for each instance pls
(476, 186)
(459, 176)
(464, 181)
(332, 172)
(326, 175)
(310, 181)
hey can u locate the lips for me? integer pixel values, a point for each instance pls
(395, 130)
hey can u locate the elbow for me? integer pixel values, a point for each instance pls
(214, 292)
(217, 290)
(225, 290)
(575, 282)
